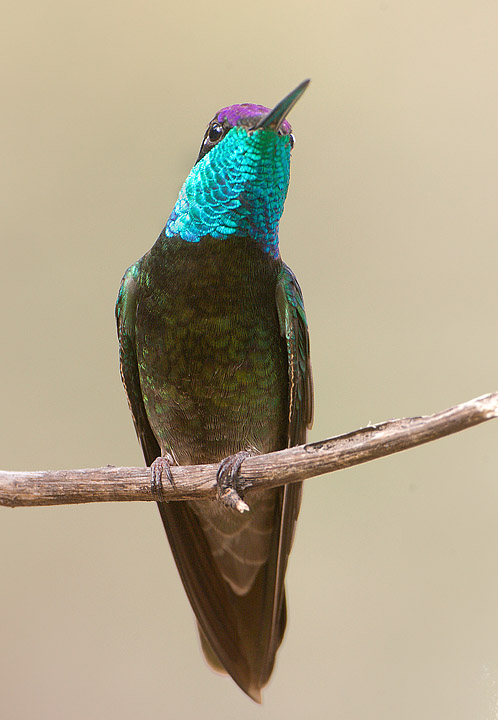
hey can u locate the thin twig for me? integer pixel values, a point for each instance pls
(112, 484)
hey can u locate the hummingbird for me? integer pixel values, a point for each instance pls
(215, 362)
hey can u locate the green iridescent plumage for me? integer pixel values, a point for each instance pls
(215, 360)
(229, 191)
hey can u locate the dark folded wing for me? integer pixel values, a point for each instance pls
(125, 318)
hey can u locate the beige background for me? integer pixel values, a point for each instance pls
(391, 227)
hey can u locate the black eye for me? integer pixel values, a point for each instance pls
(215, 133)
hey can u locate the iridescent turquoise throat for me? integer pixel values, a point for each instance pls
(238, 188)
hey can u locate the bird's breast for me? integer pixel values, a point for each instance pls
(212, 362)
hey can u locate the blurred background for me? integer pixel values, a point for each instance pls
(391, 227)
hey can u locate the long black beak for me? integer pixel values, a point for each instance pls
(276, 116)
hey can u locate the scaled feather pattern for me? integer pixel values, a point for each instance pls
(235, 190)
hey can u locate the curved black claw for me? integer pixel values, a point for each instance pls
(227, 478)
(161, 465)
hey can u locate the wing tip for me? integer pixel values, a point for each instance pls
(252, 690)
(254, 693)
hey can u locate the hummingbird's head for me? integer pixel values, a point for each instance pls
(247, 116)
(239, 182)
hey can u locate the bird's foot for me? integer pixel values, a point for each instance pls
(161, 466)
(228, 478)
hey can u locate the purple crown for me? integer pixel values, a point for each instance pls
(234, 113)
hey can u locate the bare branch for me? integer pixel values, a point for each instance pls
(112, 484)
